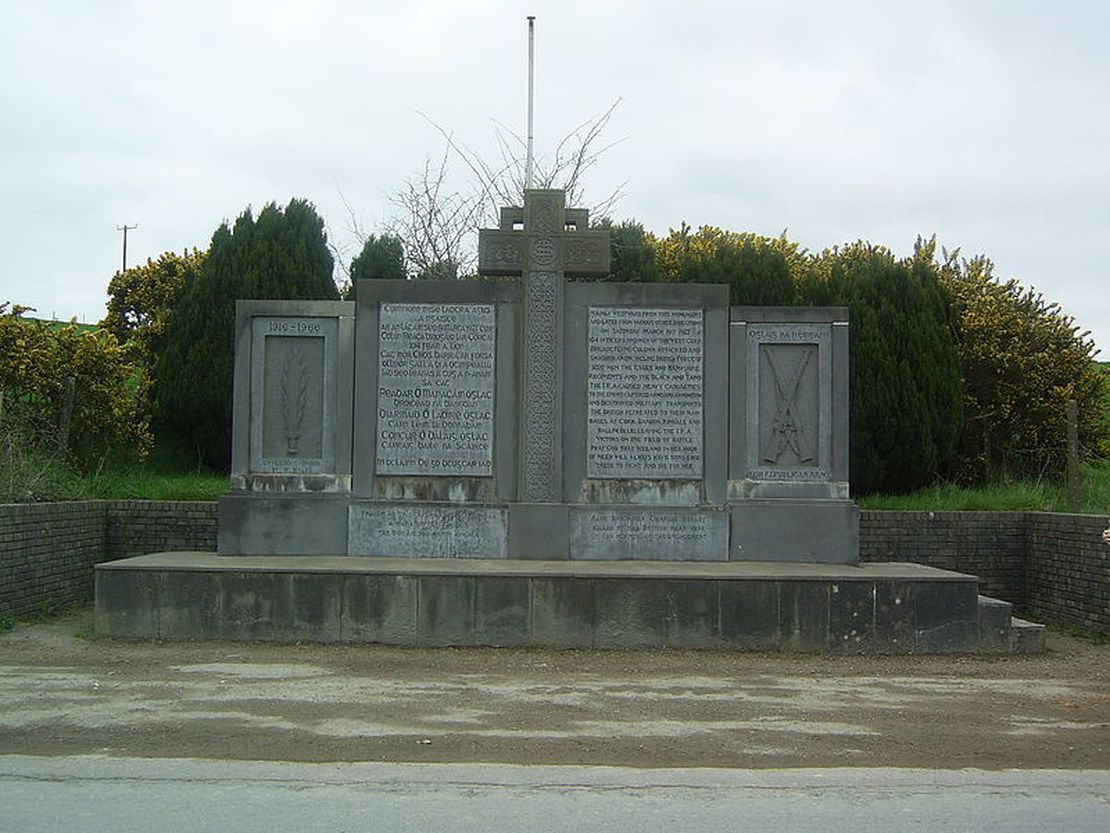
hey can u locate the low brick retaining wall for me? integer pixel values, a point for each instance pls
(1052, 567)
(48, 550)
(47, 553)
(992, 545)
(1067, 571)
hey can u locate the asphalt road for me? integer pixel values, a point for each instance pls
(114, 795)
(139, 736)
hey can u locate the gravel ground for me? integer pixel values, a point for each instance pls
(67, 694)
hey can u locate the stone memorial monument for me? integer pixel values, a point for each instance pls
(541, 416)
(538, 457)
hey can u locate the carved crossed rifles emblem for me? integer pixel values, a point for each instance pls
(786, 431)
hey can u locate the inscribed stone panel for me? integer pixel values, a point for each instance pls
(291, 419)
(788, 377)
(435, 389)
(649, 534)
(645, 393)
(427, 531)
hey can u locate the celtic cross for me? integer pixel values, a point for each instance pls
(542, 243)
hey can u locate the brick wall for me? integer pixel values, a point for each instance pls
(47, 552)
(137, 527)
(1053, 567)
(1067, 572)
(991, 545)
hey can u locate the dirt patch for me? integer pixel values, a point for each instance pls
(65, 694)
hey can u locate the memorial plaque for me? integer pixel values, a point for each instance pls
(655, 534)
(428, 531)
(290, 428)
(435, 389)
(645, 393)
(788, 424)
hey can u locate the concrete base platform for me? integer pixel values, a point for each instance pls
(871, 608)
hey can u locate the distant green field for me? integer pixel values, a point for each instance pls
(57, 324)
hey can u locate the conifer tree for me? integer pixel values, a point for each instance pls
(381, 258)
(905, 373)
(281, 254)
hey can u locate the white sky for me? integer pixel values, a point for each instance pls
(983, 122)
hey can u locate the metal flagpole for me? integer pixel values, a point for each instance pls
(528, 165)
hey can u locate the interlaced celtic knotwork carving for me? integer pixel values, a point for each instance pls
(543, 220)
(539, 429)
(583, 252)
(504, 253)
(543, 251)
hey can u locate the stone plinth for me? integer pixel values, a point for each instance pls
(887, 608)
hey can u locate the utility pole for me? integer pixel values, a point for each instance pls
(124, 229)
(531, 86)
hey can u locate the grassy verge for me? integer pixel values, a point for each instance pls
(145, 484)
(1016, 496)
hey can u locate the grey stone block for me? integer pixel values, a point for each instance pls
(894, 626)
(445, 610)
(315, 607)
(946, 617)
(538, 531)
(501, 611)
(693, 614)
(379, 608)
(250, 524)
(804, 615)
(823, 532)
(191, 606)
(852, 617)
(127, 603)
(630, 613)
(994, 625)
(564, 612)
(1026, 637)
(749, 612)
(252, 606)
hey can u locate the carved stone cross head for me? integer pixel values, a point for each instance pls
(544, 236)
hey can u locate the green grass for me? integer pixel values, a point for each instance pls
(1015, 496)
(141, 483)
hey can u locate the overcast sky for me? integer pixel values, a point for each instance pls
(985, 123)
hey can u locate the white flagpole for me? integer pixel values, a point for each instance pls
(528, 165)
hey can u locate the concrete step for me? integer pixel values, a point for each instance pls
(995, 618)
(1000, 632)
(887, 608)
(1026, 637)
